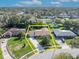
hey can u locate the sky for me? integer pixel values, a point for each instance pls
(39, 3)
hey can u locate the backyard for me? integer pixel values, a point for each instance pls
(18, 47)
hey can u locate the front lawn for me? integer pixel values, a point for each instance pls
(1, 57)
(18, 47)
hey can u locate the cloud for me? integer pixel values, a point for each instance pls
(75, 0)
(67, 0)
(24, 3)
(56, 4)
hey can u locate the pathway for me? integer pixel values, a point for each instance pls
(63, 45)
(5, 53)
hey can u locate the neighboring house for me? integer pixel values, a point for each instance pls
(76, 32)
(13, 32)
(41, 32)
(73, 16)
(64, 34)
(48, 17)
(20, 13)
(44, 20)
(32, 19)
(63, 15)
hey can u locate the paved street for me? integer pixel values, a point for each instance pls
(36, 44)
(49, 54)
(4, 50)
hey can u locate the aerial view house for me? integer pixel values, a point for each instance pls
(44, 20)
(64, 34)
(13, 32)
(48, 17)
(76, 32)
(41, 32)
(64, 15)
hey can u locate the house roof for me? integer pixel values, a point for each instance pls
(44, 20)
(41, 32)
(13, 31)
(63, 33)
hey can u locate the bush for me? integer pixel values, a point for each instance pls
(63, 56)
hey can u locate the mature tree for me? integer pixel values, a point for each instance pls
(21, 35)
(75, 42)
(71, 24)
(45, 41)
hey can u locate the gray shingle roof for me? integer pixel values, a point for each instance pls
(64, 33)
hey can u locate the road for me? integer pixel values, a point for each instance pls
(36, 44)
(49, 54)
(5, 53)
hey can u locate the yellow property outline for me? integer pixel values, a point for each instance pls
(53, 39)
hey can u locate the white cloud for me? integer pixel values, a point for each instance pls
(24, 3)
(66, 0)
(75, 0)
(56, 4)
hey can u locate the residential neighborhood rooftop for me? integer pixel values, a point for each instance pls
(40, 32)
(13, 32)
(62, 33)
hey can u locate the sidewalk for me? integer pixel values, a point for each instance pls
(4, 50)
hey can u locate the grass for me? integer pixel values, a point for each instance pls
(1, 57)
(73, 42)
(57, 26)
(68, 41)
(13, 43)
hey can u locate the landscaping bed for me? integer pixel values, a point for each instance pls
(18, 47)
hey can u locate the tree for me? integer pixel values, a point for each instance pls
(45, 41)
(58, 21)
(75, 42)
(63, 56)
(20, 35)
(71, 24)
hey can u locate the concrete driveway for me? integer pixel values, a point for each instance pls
(36, 44)
(5, 53)
(63, 45)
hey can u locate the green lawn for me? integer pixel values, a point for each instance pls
(68, 41)
(18, 47)
(57, 26)
(1, 57)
